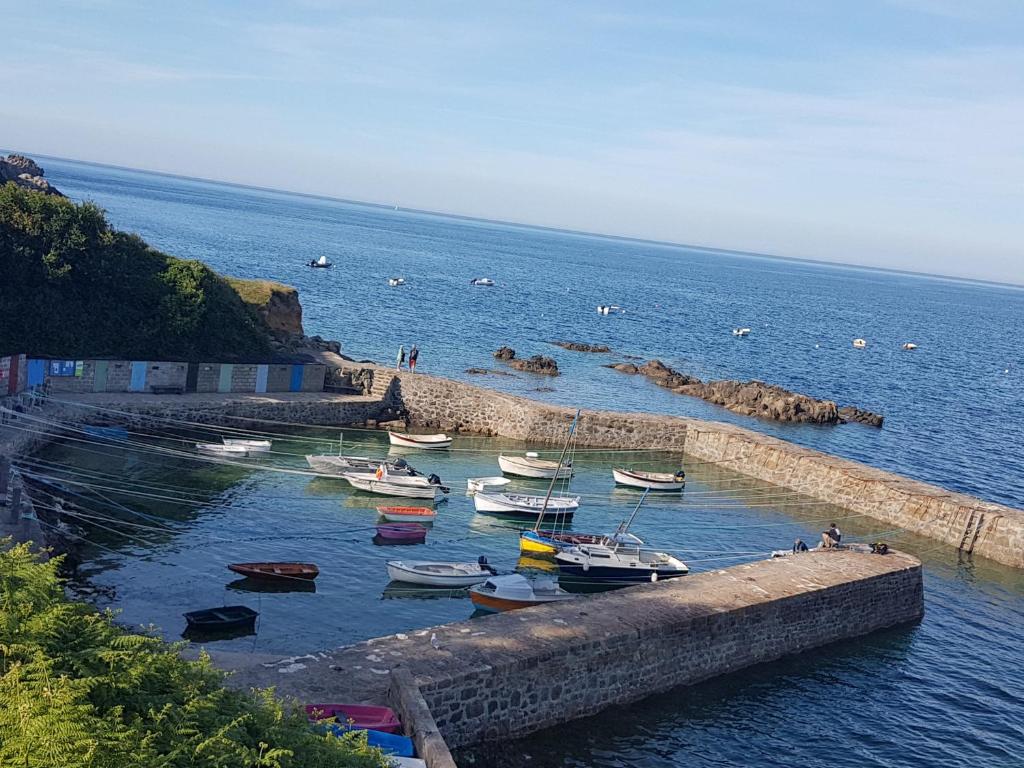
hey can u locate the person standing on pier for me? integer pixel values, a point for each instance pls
(401, 357)
(413, 354)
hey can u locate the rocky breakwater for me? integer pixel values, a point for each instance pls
(26, 173)
(752, 398)
(545, 366)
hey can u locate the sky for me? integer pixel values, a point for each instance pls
(879, 132)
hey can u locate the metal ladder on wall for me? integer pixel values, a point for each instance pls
(972, 531)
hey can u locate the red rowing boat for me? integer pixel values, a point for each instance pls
(407, 514)
(276, 571)
(357, 715)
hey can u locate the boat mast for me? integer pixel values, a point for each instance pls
(554, 478)
(624, 525)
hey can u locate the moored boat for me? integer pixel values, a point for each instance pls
(652, 481)
(476, 484)
(357, 716)
(253, 446)
(513, 591)
(859, 343)
(220, 449)
(407, 514)
(394, 282)
(287, 571)
(526, 507)
(427, 442)
(551, 542)
(439, 574)
(485, 281)
(740, 331)
(618, 562)
(229, 618)
(392, 487)
(330, 464)
(400, 533)
(531, 465)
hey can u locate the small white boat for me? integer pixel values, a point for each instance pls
(253, 446)
(330, 464)
(525, 506)
(407, 514)
(475, 484)
(386, 476)
(389, 487)
(219, 449)
(909, 345)
(532, 466)
(859, 343)
(482, 281)
(507, 593)
(321, 263)
(435, 574)
(428, 442)
(396, 281)
(654, 481)
(740, 331)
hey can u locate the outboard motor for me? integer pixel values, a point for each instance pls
(485, 566)
(433, 479)
(680, 475)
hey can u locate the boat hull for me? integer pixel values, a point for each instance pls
(512, 465)
(384, 488)
(407, 514)
(398, 571)
(412, 441)
(549, 543)
(276, 571)
(625, 575)
(633, 480)
(502, 504)
(499, 604)
(231, 618)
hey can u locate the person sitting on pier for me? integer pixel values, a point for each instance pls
(830, 539)
(799, 546)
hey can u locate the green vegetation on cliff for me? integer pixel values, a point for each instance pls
(73, 287)
(77, 691)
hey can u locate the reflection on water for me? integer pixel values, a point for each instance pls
(248, 584)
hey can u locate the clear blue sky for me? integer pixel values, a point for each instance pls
(878, 133)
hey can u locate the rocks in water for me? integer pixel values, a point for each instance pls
(541, 364)
(859, 415)
(752, 398)
(488, 372)
(579, 346)
(26, 173)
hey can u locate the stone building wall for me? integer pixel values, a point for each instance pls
(243, 378)
(162, 375)
(985, 528)
(207, 377)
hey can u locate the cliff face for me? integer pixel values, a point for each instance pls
(275, 303)
(24, 172)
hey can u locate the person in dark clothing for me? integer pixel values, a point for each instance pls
(831, 538)
(799, 546)
(413, 354)
(401, 357)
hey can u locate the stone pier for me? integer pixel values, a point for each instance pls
(506, 675)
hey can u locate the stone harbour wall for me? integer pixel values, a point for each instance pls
(968, 523)
(509, 674)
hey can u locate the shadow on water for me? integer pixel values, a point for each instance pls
(247, 584)
(400, 590)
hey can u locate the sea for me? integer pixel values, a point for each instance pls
(947, 691)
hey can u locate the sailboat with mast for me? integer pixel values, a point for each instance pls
(621, 557)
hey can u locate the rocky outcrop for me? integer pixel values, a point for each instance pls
(488, 372)
(26, 173)
(545, 366)
(579, 346)
(752, 398)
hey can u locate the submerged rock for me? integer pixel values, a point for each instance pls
(859, 415)
(541, 364)
(488, 372)
(629, 368)
(579, 346)
(505, 353)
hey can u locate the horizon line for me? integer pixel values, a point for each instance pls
(539, 227)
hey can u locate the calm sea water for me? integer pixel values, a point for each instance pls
(945, 692)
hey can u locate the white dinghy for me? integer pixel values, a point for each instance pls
(219, 449)
(652, 481)
(393, 486)
(524, 506)
(439, 574)
(477, 484)
(426, 442)
(531, 465)
(329, 464)
(253, 446)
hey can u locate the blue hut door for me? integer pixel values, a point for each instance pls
(261, 377)
(138, 381)
(296, 383)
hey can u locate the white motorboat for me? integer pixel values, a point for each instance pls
(438, 574)
(253, 446)
(396, 281)
(476, 484)
(618, 562)
(389, 487)
(386, 476)
(859, 343)
(330, 464)
(740, 331)
(427, 442)
(654, 481)
(909, 345)
(507, 593)
(321, 263)
(524, 506)
(482, 281)
(532, 466)
(219, 449)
